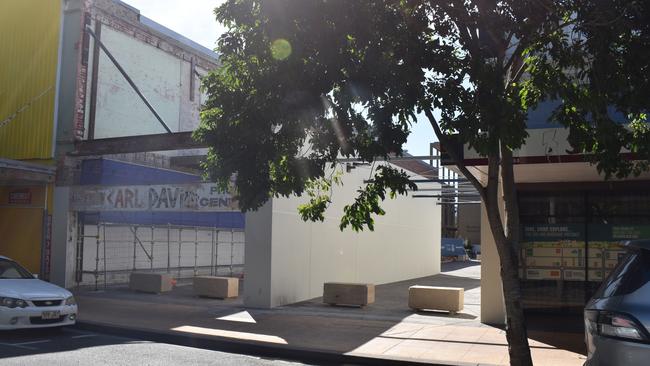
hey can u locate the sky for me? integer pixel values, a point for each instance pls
(195, 20)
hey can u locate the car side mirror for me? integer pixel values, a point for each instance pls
(35, 275)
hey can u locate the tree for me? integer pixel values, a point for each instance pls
(303, 83)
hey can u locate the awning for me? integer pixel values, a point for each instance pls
(16, 172)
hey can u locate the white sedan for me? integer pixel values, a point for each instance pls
(27, 302)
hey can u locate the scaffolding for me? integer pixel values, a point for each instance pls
(108, 252)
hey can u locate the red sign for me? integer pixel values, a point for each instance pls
(20, 197)
(48, 249)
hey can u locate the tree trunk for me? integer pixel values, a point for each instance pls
(516, 333)
(507, 246)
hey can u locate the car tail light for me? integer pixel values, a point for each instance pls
(614, 325)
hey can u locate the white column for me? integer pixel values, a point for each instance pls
(63, 239)
(492, 303)
(257, 266)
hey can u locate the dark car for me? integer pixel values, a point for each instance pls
(617, 318)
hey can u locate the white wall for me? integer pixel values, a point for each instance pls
(404, 245)
(540, 142)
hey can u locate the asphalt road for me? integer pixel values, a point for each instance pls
(79, 347)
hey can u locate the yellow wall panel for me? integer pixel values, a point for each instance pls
(29, 45)
(22, 234)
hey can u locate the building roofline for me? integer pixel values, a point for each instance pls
(171, 34)
(416, 166)
(148, 22)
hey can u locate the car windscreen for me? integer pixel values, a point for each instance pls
(10, 270)
(631, 274)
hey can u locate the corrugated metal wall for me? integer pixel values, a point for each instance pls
(29, 43)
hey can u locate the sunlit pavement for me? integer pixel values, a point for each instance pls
(386, 329)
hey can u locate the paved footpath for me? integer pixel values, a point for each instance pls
(386, 330)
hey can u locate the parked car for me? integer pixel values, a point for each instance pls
(617, 318)
(27, 302)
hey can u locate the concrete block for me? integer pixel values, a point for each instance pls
(360, 294)
(150, 282)
(217, 287)
(436, 298)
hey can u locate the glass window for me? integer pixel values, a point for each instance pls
(627, 208)
(629, 276)
(545, 208)
(10, 270)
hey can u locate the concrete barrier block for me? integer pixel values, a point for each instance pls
(150, 282)
(360, 294)
(217, 287)
(436, 298)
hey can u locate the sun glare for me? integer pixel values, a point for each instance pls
(280, 49)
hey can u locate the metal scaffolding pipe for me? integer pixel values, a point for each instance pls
(169, 254)
(121, 251)
(104, 238)
(196, 247)
(180, 243)
(152, 243)
(135, 241)
(232, 249)
(97, 259)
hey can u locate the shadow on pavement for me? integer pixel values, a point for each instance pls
(387, 329)
(453, 266)
(565, 331)
(16, 343)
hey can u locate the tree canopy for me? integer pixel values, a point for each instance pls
(305, 82)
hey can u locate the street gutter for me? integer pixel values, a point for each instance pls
(250, 348)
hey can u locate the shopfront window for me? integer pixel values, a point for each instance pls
(571, 242)
(552, 208)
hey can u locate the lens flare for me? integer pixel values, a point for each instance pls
(280, 49)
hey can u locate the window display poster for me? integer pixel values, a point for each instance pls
(560, 252)
(553, 252)
(606, 246)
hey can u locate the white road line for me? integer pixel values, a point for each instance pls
(84, 336)
(17, 346)
(32, 342)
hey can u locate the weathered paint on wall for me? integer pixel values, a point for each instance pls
(120, 112)
(68, 81)
(188, 197)
(29, 35)
(106, 172)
